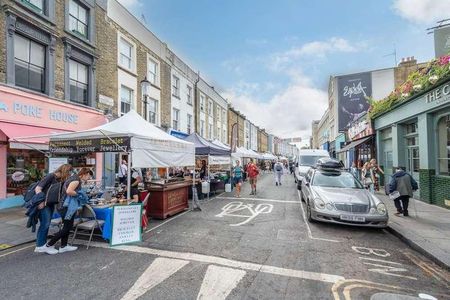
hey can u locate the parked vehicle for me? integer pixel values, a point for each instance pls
(306, 159)
(334, 195)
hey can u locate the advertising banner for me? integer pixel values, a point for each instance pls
(352, 103)
(442, 41)
(219, 160)
(117, 144)
(126, 224)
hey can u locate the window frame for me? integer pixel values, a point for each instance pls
(189, 94)
(151, 112)
(121, 113)
(87, 81)
(155, 75)
(176, 121)
(175, 86)
(47, 12)
(86, 24)
(445, 118)
(202, 102)
(202, 128)
(132, 67)
(210, 108)
(189, 124)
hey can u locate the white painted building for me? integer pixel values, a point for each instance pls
(253, 137)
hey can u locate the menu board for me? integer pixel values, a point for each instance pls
(126, 224)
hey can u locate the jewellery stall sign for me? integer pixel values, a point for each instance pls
(115, 144)
(126, 224)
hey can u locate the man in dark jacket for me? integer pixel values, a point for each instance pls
(404, 184)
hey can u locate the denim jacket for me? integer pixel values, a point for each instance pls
(73, 203)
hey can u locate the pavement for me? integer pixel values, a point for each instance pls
(253, 247)
(13, 231)
(427, 229)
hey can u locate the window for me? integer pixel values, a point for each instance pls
(411, 128)
(218, 113)
(29, 61)
(126, 54)
(126, 99)
(210, 108)
(202, 128)
(152, 111)
(175, 86)
(37, 5)
(189, 94)
(152, 72)
(202, 102)
(224, 136)
(189, 124)
(78, 76)
(176, 119)
(78, 18)
(444, 145)
(224, 116)
(210, 131)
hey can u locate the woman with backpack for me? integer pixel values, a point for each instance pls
(47, 207)
(75, 198)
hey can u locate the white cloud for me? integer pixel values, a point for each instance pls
(422, 11)
(287, 114)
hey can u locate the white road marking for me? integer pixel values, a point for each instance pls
(157, 272)
(370, 251)
(260, 199)
(386, 270)
(11, 252)
(323, 277)
(380, 260)
(307, 224)
(169, 220)
(237, 206)
(219, 282)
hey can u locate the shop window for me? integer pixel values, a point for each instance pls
(23, 168)
(152, 111)
(444, 146)
(78, 77)
(78, 18)
(126, 99)
(29, 60)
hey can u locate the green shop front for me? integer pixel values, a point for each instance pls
(416, 135)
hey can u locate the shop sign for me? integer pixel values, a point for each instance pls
(105, 100)
(439, 95)
(116, 144)
(55, 162)
(219, 160)
(357, 129)
(126, 224)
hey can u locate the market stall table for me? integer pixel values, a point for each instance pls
(167, 199)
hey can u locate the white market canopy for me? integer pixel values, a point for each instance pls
(242, 152)
(220, 144)
(150, 146)
(269, 156)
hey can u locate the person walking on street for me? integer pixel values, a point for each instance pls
(278, 171)
(123, 172)
(253, 173)
(237, 178)
(46, 209)
(376, 171)
(368, 178)
(403, 184)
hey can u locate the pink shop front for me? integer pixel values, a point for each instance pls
(23, 161)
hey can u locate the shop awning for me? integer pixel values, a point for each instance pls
(354, 144)
(26, 134)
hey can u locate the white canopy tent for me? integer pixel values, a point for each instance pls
(220, 144)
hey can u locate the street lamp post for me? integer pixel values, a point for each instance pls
(145, 87)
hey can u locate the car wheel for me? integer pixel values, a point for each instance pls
(308, 213)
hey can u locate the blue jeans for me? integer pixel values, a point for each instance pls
(45, 217)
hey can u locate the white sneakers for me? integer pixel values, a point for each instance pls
(51, 250)
(67, 249)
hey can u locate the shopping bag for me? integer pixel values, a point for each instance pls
(394, 195)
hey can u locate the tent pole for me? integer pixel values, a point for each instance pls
(129, 176)
(209, 178)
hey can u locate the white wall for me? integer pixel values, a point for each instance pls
(182, 103)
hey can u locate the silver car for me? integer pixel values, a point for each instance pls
(336, 196)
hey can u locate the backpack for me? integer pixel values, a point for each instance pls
(29, 193)
(55, 194)
(278, 168)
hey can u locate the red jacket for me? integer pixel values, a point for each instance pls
(252, 171)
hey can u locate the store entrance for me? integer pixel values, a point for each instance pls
(413, 164)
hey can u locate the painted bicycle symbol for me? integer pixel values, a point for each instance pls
(250, 211)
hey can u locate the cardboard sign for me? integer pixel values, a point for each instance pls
(55, 162)
(126, 224)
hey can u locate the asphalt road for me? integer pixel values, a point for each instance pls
(254, 247)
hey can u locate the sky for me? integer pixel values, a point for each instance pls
(272, 59)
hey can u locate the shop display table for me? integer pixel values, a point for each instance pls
(167, 199)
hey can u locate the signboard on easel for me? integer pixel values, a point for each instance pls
(126, 224)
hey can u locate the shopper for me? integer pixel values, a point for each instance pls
(203, 171)
(45, 210)
(123, 172)
(74, 200)
(376, 170)
(278, 171)
(253, 173)
(237, 178)
(368, 178)
(403, 185)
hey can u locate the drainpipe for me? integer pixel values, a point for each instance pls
(197, 106)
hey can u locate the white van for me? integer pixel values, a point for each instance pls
(306, 159)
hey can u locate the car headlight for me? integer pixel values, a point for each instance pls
(329, 206)
(381, 209)
(319, 203)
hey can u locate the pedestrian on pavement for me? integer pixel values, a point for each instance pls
(376, 170)
(203, 170)
(46, 209)
(238, 171)
(403, 185)
(278, 171)
(74, 200)
(123, 172)
(368, 178)
(253, 173)
(273, 165)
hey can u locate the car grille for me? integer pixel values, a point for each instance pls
(354, 208)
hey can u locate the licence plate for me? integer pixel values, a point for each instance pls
(353, 218)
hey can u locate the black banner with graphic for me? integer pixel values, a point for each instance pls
(116, 144)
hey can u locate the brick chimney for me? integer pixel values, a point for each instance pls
(406, 67)
(407, 62)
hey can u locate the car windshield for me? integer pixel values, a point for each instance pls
(309, 160)
(336, 179)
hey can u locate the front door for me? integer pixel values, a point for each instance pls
(413, 164)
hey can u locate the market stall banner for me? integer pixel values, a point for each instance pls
(353, 91)
(116, 144)
(126, 224)
(219, 160)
